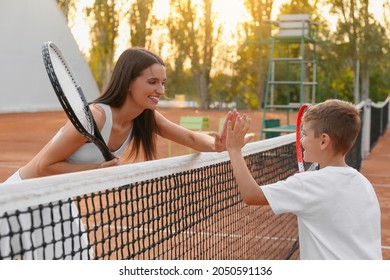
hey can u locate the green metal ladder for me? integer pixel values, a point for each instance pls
(292, 70)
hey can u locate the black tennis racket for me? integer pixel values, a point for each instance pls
(299, 150)
(71, 97)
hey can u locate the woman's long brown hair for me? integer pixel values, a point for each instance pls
(129, 66)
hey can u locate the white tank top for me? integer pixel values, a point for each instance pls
(89, 153)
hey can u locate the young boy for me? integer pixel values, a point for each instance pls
(337, 208)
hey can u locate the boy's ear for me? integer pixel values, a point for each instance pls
(325, 141)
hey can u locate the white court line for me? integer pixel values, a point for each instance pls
(386, 247)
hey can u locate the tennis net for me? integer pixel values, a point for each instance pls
(182, 208)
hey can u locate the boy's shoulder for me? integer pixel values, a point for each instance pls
(328, 173)
(333, 174)
(334, 169)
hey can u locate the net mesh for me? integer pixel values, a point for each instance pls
(184, 208)
(379, 121)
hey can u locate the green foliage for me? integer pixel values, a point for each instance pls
(66, 6)
(141, 22)
(194, 36)
(250, 99)
(194, 40)
(180, 83)
(103, 35)
(221, 89)
(379, 84)
(365, 40)
(251, 66)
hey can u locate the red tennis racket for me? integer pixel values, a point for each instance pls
(299, 150)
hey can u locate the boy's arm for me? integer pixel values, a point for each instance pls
(250, 191)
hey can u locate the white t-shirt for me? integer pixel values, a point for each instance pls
(338, 213)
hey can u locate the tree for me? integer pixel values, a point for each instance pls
(103, 34)
(194, 36)
(252, 63)
(141, 22)
(365, 39)
(179, 41)
(66, 6)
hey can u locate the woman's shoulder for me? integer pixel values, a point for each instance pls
(99, 112)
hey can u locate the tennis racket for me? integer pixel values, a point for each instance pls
(71, 97)
(299, 150)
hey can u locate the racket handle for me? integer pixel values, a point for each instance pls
(107, 155)
(101, 144)
(104, 150)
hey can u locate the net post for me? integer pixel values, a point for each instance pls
(366, 128)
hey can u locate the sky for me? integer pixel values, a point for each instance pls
(230, 13)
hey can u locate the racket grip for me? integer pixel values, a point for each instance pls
(107, 154)
(98, 140)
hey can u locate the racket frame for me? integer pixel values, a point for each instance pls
(95, 136)
(298, 144)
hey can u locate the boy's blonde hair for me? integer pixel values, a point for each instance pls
(339, 119)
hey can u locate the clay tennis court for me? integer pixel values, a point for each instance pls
(22, 135)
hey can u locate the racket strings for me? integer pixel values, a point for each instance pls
(70, 89)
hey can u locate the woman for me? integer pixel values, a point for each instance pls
(127, 118)
(126, 114)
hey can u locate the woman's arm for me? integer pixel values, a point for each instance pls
(196, 140)
(51, 159)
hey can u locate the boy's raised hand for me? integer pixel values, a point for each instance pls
(232, 117)
(220, 139)
(237, 135)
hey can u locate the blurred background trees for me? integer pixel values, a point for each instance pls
(205, 66)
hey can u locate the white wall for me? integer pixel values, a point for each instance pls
(24, 26)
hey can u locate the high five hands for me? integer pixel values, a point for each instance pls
(236, 128)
